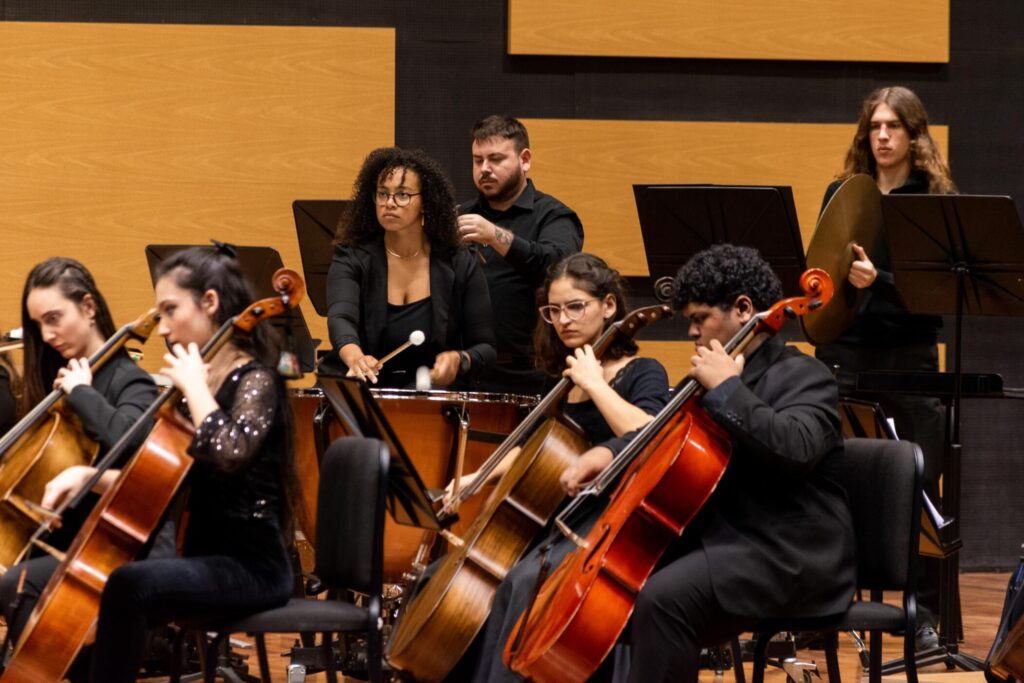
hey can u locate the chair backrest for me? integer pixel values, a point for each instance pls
(350, 514)
(883, 488)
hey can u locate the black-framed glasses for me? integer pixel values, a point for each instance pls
(573, 310)
(401, 198)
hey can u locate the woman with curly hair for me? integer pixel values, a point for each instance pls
(398, 267)
(893, 146)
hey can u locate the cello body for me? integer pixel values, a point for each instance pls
(46, 448)
(597, 584)
(442, 620)
(112, 535)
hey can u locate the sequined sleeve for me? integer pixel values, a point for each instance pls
(228, 440)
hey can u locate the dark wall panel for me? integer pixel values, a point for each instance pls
(452, 68)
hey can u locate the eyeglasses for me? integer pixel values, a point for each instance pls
(573, 310)
(401, 198)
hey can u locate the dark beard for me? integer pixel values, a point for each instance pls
(507, 190)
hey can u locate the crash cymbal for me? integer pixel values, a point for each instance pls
(852, 215)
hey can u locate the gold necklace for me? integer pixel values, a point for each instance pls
(399, 256)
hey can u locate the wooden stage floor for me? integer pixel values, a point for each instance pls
(981, 596)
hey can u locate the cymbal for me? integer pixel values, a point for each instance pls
(852, 215)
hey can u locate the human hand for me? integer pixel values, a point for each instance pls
(586, 468)
(365, 367)
(186, 368)
(862, 270)
(712, 365)
(464, 481)
(477, 229)
(446, 368)
(583, 368)
(66, 485)
(76, 373)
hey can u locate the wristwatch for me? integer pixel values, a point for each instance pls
(464, 362)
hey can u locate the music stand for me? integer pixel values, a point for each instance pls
(258, 265)
(955, 254)
(316, 221)
(407, 498)
(677, 221)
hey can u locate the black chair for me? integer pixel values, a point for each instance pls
(349, 556)
(883, 486)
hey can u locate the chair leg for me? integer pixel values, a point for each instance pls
(212, 658)
(177, 650)
(832, 656)
(875, 673)
(910, 656)
(261, 654)
(327, 647)
(374, 655)
(737, 660)
(761, 641)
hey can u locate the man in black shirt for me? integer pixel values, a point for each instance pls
(518, 233)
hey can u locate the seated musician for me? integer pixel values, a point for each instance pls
(775, 539)
(398, 268)
(65, 321)
(892, 145)
(612, 398)
(241, 482)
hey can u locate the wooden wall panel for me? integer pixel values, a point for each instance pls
(869, 30)
(591, 165)
(118, 136)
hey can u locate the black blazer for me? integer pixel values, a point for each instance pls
(357, 303)
(777, 531)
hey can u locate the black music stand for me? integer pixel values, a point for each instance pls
(955, 254)
(258, 265)
(677, 221)
(316, 221)
(353, 404)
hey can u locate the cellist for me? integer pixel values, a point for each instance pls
(775, 538)
(241, 483)
(65, 320)
(612, 398)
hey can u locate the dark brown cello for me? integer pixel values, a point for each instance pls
(124, 518)
(664, 477)
(44, 443)
(437, 626)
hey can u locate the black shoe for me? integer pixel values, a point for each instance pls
(926, 639)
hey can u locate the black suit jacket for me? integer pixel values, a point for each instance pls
(777, 531)
(357, 303)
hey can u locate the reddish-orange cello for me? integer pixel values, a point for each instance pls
(124, 517)
(667, 473)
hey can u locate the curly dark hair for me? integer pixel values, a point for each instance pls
(41, 361)
(358, 223)
(720, 274)
(591, 274)
(924, 151)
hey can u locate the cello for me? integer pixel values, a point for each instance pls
(665, 475)
(437, 626)
(44, 443)
(124, 518)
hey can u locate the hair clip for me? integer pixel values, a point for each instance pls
(226, 249)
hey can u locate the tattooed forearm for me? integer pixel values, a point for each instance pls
(503, 236)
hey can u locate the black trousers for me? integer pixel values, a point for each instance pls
(920, 419)
(192, 588)
(676, 615)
